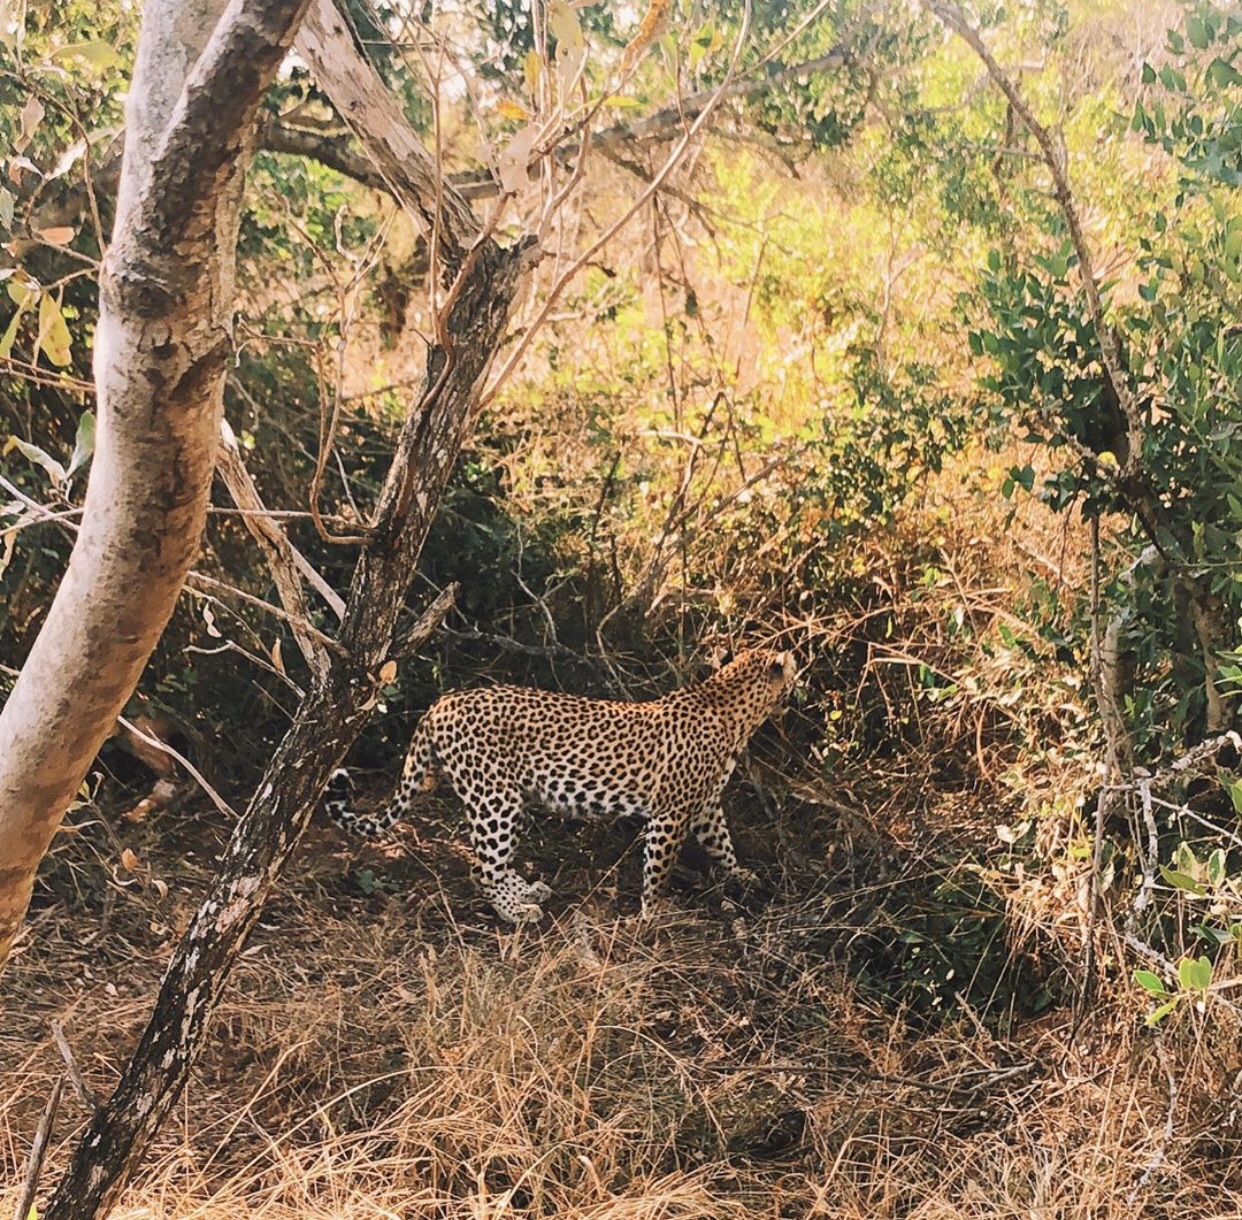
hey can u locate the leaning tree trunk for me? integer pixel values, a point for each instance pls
(486, 280)
(166, 299)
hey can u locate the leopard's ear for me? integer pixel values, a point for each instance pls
(721, 656)
(779, 665)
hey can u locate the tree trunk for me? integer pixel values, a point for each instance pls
(326, 724)
(166, 299)
(331, 716)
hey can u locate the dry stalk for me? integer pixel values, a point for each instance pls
(38, 1149)
(86, 1094)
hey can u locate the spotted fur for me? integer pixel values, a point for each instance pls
(666, 760)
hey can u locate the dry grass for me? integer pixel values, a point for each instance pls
(378, 1058)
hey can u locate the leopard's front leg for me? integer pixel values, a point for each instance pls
(712, 831)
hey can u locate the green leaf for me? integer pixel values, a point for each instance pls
(1187, 861)
(1158, 1014)
(98, 54)
(1216, 867)
(1150, 982)
(1221, 72)
(83, 442)
(1194, 974)
(1198, 33)
(1216, 936)
(6, 207)
(1235, 793)
(55, 471)
(1182, 881)
(10, 333)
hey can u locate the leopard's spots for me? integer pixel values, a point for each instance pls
(666, 760)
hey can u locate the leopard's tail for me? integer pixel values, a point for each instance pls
(418, 775)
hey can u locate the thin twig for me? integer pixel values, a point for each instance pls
(1162, 1148)
(277, 550)
(38, 1149)
(216, 799)
(201, 580)
(86, 1095)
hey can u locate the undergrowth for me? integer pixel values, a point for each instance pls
(904, 1022)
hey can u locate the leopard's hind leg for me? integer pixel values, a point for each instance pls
(494, 820)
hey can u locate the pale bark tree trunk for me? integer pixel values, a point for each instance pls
(166, 298)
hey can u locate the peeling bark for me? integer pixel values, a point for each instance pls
(166, 298)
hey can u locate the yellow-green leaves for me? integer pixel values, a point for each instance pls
(54, 339)
(96, 54)
(20, 294)
(59, 474)
(1194, 978)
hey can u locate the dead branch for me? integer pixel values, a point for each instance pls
(276, 547)
(86, 1095)
(155, 743)
(410, 171)
(415, 637)
(38, 1149)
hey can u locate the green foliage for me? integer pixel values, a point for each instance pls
(1181, 347)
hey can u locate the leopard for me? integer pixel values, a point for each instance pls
(666, 761)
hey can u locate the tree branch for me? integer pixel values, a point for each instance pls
(281, 555)
(333, 149)
(1110, 356)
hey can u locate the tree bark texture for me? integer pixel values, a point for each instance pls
(326, 42)
(329, 719)
(166, 298)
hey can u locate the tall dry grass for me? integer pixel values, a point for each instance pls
(401, 1056)
(384, 1061)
